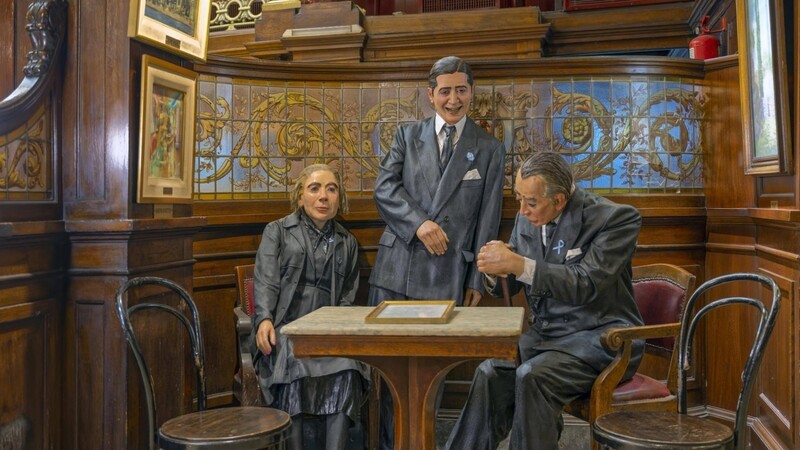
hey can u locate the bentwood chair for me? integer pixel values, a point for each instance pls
(676, 429)
(223, 428)
(660, 292)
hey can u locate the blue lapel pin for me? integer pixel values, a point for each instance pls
(558, 247)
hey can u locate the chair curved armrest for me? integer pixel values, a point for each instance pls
(621, 340)
(249, 392)
(244, 324)
(614, 338)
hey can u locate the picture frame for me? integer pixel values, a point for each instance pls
(763, 87)
(166, 132)
(411, 311)
(178, 26)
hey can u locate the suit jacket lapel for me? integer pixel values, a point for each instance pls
(293, 224)
(428, 156)
(568, 229)
(457, 167)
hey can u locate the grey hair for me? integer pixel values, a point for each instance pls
(553, 169)
(448, 65)
(299, 183)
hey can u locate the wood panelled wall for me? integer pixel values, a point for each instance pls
(68, 377)
(742, 237)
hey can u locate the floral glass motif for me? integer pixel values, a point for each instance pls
(621, 135)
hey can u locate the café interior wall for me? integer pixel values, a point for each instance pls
(622, 135)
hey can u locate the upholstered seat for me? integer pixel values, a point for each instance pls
(660, 291)
(675, 429)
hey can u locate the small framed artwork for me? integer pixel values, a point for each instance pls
(411, 311)
(166, 132)
(763, 88)
(177, 25)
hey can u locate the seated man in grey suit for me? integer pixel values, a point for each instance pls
(571, 251)
(440, 190)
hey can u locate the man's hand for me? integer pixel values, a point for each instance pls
(433, 237)
(265, 337)
(496, 258)
(472, 297)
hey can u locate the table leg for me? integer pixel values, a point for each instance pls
(414, 382)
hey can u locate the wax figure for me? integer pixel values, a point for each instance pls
(440, 197)
(577, 281)
(439, 191)
(305, 261)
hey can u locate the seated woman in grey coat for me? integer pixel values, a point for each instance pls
(305, 261)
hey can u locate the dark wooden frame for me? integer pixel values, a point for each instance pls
(761, 160)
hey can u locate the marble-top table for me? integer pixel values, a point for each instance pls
(413, 358)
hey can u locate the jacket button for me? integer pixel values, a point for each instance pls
(446, 219)
(545, 324)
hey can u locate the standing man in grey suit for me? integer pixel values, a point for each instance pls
(440, 190)
(571, 252)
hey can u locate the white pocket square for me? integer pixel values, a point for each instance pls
(472, 175)
(573, 252)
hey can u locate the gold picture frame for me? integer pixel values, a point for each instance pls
(763, 86)
(411, 311)
(178, 26)
(166, 132)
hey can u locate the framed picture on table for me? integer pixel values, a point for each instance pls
(411, 311)
(166, 132)
(180, 26)
(764, 91)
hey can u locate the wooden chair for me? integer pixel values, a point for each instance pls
(245, 382)
(675, 429)
(660, 291)
(224, 428)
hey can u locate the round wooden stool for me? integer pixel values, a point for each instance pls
(244, 428)
(660, 430)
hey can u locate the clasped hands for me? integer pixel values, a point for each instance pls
(498, 259)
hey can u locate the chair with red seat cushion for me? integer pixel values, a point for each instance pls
(660, 291)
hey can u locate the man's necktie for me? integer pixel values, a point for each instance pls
(548, 233)
(447, 148)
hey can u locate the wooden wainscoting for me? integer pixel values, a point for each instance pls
(31, 306)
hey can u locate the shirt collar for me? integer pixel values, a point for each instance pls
(439, 123)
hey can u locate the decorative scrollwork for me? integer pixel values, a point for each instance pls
(29, 157)
(580, 118)
(295, 139)
(46, 25)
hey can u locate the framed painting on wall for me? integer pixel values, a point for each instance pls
(176, 25)
(763, 86)
(166, 132)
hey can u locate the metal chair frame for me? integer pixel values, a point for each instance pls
(241, 428)
(766, 324)
(193, 328)
(689, 324)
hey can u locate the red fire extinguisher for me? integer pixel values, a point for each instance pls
(706, 45)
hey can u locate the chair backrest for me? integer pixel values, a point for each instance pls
(190, 321)
(244, 287)
(660, 291)
(766, 323)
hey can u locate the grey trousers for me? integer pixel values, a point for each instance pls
(526, 401)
